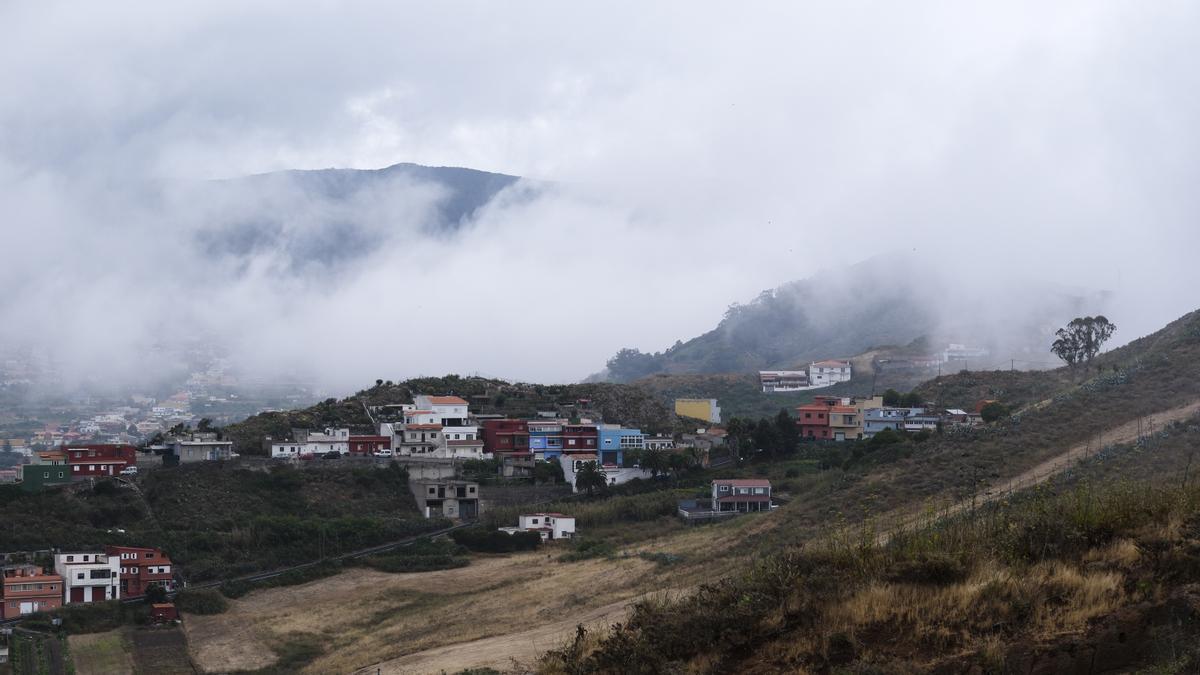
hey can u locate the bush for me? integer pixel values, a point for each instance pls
(994, 411)
(495, 541)
(237, 588)
(588, 548)
(96, 617)
(928, 568)
(416, 563)
(201, 601)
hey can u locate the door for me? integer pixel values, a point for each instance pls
(77, 594)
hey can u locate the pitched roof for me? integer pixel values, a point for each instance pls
(446, 400)
(832, 363)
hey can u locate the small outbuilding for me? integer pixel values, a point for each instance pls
(162, 612)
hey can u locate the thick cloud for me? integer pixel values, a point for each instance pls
(698, 153)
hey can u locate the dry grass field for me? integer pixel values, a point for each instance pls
(499, 609)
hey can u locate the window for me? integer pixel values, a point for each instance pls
(70, 558)
(760, 491)
(471, 489)
(79, 575)
(533, 521)
(723, 488)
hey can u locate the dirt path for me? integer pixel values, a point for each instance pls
(1126, 433)
(501, 652)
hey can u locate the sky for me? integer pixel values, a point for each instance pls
(698, 153)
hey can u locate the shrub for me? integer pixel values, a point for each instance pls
(588, 548)
(416, 563)
(201, 601)
(237, 588)
(928, 568)
(495, 541)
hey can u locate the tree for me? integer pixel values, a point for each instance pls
(630, 364)
(590, 478)
(788, 432)
(678, 462)
(993, 411)
(1080, 341)
(911, 400)
(891, 398)
(204, 425)
(155, 594)
(655, 461)
(766, 437)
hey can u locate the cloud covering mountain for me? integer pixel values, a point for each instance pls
(687, 156)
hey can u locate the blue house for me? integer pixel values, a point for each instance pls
(545, 439)
(613, 441)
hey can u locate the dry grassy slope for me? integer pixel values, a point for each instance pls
(498, 609)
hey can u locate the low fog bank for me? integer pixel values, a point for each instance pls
(985, 162)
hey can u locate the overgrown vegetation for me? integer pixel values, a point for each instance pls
(201, 601)
(421, 556)
(221, 521)
(987, 586)
(237, 588)
(488, 540)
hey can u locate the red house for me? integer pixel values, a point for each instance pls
(368, 445)
(87, 461)
(813, 420)
(142, 568)
(27, 589)
(579, 438)
(506, 436)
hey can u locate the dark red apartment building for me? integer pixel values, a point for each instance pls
(506, 436)
(142, 568)
(106, 459)
(579, 438)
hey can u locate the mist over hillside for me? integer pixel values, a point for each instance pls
(338, 216)
(888, 300)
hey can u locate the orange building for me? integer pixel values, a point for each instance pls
(27, 589)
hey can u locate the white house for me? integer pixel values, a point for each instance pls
(548, 525)
(89, 576)
(571, 463)
(308, 443)
(436, 427)
(825, 373)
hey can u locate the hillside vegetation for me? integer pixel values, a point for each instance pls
(217, 521)
(1085, 567)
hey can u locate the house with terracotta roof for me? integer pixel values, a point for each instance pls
(743, 495)
(141, 568)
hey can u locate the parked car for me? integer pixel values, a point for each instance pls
(386, 452)
(332, 454)
(129, 471)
